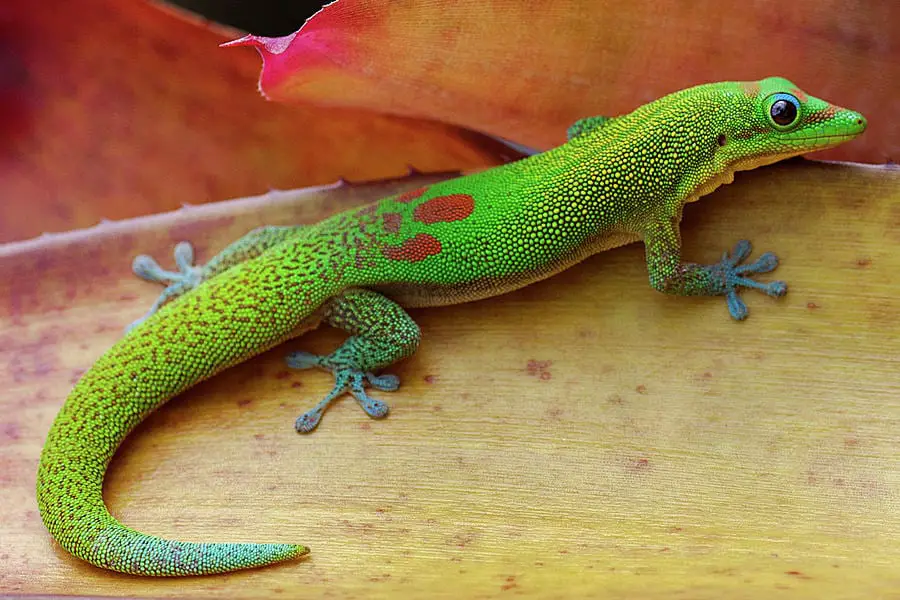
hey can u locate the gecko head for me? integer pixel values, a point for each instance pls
(773, 119)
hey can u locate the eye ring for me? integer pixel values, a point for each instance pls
(783, 111)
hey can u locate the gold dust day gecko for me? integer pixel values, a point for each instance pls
(617, 180)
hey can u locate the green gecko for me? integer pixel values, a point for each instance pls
(616, 181)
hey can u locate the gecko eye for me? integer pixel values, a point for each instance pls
(784, 111)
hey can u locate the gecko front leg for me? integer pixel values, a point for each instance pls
(381, 333)
(726, 278)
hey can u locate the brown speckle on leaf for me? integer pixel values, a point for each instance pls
(539, 369)
(509, 584)
(798, 574)
(639, 464)
(11, 431)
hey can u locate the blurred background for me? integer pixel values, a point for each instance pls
(262, 17)
(111, 109)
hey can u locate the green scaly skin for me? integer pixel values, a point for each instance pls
(616, 181)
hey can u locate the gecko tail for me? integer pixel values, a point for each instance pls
(119, 548)
(79, 447)
(83, 526)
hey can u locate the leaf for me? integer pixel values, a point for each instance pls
(112, 108)
(525, 70)
(585, 420)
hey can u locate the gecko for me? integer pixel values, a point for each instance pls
(616, 180)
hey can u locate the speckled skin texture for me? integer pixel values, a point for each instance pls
(616, 181)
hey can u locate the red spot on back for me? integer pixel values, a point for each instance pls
(414, 249)
(444, 209)
(392, 222)
(411, 195)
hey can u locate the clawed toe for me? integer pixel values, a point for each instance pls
(736, 276)
(302, 360)
(385, 383)
(187, 278)
(347, 379)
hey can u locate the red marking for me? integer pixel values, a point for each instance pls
(641, 389)
(411, 195)
(430, 378)
(801, 95)
(414, 249)
(822, 115)
(444, 209)
(392, 222)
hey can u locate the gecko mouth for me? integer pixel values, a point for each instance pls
(837, 136)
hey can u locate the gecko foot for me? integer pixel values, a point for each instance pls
(347, 379)
(187, 278)
(734, 275)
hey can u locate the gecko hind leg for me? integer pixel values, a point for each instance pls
(177, 284)
(381, 333)
(190, 275)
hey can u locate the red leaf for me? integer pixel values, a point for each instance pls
(526, 69)
(112, 108)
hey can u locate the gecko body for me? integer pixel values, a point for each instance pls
(616, 181)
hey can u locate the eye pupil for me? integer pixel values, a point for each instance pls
(783, 112)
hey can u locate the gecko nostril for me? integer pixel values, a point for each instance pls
(859, 121)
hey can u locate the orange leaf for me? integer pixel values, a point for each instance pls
(526, 69)
(114, 109)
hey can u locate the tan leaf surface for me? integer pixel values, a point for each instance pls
(583, 437)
